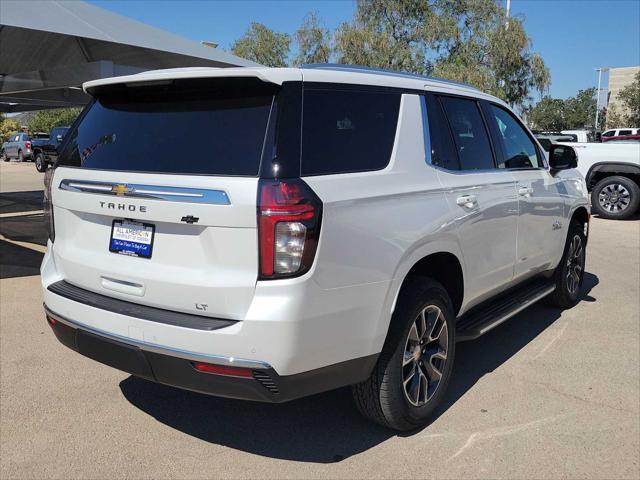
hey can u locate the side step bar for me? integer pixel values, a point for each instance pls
(484, 318)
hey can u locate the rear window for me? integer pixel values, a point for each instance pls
(347, 130)
(204, 126)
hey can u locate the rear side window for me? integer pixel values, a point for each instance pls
(469, 133)
(185, 127)
(518, 149)
(443, 151)
(624, 132)
(347, 131)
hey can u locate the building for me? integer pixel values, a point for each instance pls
(618, 79)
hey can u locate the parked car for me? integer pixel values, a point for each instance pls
(46, 153)
(345, 226)
(618, 132)
(612, 173)
(622, 138)
(582, 135)
(548, 139)
(18, 146)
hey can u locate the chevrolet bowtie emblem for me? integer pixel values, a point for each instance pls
(121, 189)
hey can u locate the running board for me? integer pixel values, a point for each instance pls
(479, 321)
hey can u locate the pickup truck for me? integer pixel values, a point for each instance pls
(612, 173)
(45, 153)
(18, 146)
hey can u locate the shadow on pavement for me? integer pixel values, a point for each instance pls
(326, 428)
(17, 261)
(11, 202)
(25, 228)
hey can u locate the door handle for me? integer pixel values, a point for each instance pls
(468, 201)
(525, 191)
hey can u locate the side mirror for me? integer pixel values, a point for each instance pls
(59, 138)
(562, 157)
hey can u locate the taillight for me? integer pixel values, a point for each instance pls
(222, 370)
(47, 204)
(27, 145)
(289, 216)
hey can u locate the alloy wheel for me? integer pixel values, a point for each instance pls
(575, 264)
(425, 355)
(614, 198)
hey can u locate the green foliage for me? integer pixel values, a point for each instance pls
(463, 40)
(613, 119)
(263, 45)
(554, 114)
(630, 98)
(7, 127)
(314, 42)
(45, 120)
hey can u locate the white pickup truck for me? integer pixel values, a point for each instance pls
(612, 172)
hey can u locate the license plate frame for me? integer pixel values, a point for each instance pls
(129, 246)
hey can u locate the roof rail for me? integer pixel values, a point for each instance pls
(381, 71)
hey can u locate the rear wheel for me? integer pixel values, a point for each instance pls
(20, 156)
(41, 165)
(412, 373)
(570, 272)
(4, 156)
(615, 197)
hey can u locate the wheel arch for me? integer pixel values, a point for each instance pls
(600, 170)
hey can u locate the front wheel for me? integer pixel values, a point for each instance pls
(413, 370)
(615, 197)
(41, 165)
(570, 272)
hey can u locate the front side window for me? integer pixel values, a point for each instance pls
(347, 131)
(609, 133)
(624, 132)
(469, 133)
(518, 149)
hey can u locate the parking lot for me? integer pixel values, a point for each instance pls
(549, 394)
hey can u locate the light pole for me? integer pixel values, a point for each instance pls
(508, 8)
(599, 70)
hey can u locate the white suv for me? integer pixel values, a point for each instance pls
(268, 234)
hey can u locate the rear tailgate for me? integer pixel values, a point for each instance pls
(178, 162)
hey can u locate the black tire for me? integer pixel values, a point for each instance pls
(615, 197)
(41, 165)
(20, 156)
(569, 274)
(382, 397)
(4, 156)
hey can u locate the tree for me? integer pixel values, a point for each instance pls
(613, 119)
(580, 111)
(263, 45)
(554, 114)
(45, 120)
(630, 99)
(547, 114)
(7, 127)
(394, 34)
(314, 42)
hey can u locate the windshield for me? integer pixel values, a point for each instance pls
(188, 127)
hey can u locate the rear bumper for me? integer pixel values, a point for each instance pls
(176, 369)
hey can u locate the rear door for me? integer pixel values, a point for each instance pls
(481, 197)
(154, 195)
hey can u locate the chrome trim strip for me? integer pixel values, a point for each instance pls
(153, 192)
(507, 316)
(162, 350)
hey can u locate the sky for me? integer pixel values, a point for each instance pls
(573, 36)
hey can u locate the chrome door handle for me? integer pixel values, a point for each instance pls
(525, 191)
(468, 201)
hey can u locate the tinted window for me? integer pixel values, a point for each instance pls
(518, 149)
(545, 142)
(610, 133)
(624, 132)
(443, 151)
(201, 128)
(347, 131)
(469, 133)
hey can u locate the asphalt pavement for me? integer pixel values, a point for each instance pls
(549, 394)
